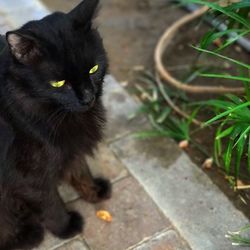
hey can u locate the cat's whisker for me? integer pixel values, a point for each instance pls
(53, 127)
(63, 115)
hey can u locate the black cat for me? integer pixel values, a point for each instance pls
(51, 117)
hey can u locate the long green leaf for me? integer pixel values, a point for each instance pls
(248, 156)
(224, 76)
(227, 113)
(223, 57)
(218, 144)
(228, 156)
(234, 98)
(211, 36)
(239, 152)
(239, 5)
(225, 11)
(231, 40)
(229, 149)
(243, 134)
(224, 133)
(222, 104)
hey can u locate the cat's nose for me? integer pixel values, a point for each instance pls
(88, 99)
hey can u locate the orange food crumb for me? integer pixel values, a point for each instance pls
(104, 215)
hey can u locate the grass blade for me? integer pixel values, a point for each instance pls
(225, 11)
(211, 36)
(223, 57)
(231, 110)
(224, 76)
(239, 152)
(224, 133)
(248, 155)
(228, 156)
(243, 135)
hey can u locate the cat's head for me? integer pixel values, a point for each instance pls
(60, 59)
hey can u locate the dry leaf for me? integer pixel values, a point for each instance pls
(240, 183)
(208, 163)
(217, 42)
(225, 3)
(104, 215)
(138, 68)
(183, 144)
(124, 83)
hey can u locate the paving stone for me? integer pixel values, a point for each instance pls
(21, 11)
(135, 217)
(106, 164)
(168, 240)
(50, 242)
(149, 152)
(186, 195)
(74, 245)
(67, 193)
(5, 23)
(120, 106)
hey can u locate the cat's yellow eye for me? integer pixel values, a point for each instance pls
(58, 84)
(94, 69)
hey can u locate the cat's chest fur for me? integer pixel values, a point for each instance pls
(64, 141)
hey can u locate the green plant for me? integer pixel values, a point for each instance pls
(161, 117)
(240, 238)
(232, 112)
(233, 115)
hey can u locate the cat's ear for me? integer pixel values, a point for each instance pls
(23, 47)
(83, 14)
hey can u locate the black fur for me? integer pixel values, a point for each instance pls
(45, 132)
(103, 188)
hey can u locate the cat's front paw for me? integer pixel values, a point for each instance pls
(100, 189)
(103, 189)
(94, 190)
(74, 226)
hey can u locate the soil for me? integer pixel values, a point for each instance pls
(131, 30)
(181, 59)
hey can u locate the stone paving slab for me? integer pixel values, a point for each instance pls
(74, 245)
(186, 195)
(167, 240)
(18, 12)
(135, 216)
(120, 107)
(50, 242)
(106, 164)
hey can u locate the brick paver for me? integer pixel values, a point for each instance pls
(120, 107)
(74, 245)
(167, 240)
(135, 216)
(50, 242)
(106, 164)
